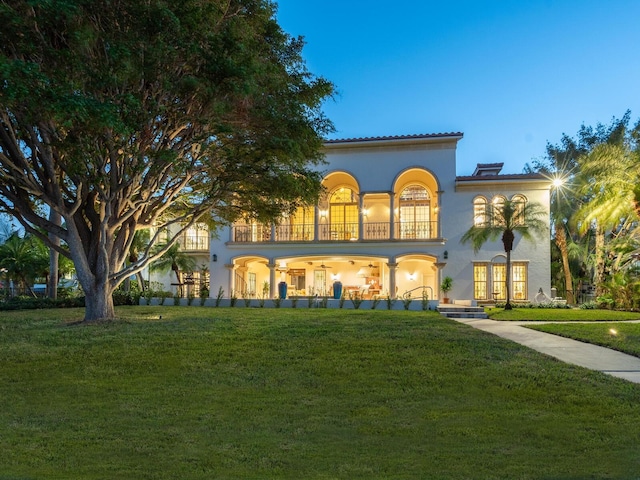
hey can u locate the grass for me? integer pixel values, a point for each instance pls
(560, 315)
(269, 393)
(624, 337)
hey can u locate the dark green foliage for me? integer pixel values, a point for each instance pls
(36, 303)
(122, 115)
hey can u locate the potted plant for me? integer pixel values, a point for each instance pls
(445, 286)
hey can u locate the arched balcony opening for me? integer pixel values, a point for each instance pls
(416, 206)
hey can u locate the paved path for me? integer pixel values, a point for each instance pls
(567, 350)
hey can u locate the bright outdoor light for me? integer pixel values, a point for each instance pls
(613, 331)
(558, 182)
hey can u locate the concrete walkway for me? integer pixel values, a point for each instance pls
(565, 349)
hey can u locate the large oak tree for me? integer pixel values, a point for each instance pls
(124, 115)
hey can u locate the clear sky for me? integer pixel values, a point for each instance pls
(511, 75)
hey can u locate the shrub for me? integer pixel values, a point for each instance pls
(589, 306)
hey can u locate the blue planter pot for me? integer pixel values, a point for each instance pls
(337, 290)
(282, 290)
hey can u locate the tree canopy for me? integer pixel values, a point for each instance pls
(122, 115)
(596, 210)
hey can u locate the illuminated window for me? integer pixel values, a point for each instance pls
(519, 280)
(479, 211)
(495, 286)
(499, 277)
(343, 214)
(196, 237)
(497, 211)
(480, 282)
(519, 203)
(415, 212)
(297, 227)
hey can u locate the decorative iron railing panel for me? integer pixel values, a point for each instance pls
(416, 230)
(295, 233)
(339, 232)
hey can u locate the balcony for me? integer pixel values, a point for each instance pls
(334, 232)
(198, 242)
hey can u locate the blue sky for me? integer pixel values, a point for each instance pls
(510, 75)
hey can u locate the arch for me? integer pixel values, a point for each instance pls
(480, 213)
(416, 193)
(343, 213)
(416, 174)
(248, 275)
(497, 203)
(414, 212)
(519, 201)
(340, 178)
(417, 275)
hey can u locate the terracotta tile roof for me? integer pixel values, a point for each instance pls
(508, 176)
(395, 137)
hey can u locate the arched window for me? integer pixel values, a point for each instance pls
(343, 214)
(480, 213)
(519, 202)
(415, 212)
(497, 210)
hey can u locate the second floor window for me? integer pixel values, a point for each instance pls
(343, 214)
(415, 212)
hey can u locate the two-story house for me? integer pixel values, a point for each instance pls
(390, 223)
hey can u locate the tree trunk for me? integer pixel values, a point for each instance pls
(141, 282)
(561, 242)
(600, 258)
(99, 304)
(507, 278)
(54, 256)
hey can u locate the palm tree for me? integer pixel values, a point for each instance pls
(505, 220)
(23, 259)
(138, 245)
(175, 260)
(610, 176)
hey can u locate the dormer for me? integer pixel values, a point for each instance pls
(483, 169)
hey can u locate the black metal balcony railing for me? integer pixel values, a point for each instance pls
(195, 242)
(342, 232)
(416, 230)
(375, 231)
(251, 233)
(295, 233)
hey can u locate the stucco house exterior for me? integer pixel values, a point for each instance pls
(390, 224)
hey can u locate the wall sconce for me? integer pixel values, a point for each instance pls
(214, 257)
(323, 214)
(412, 277)
(445, 254)
(365, 212)
(335, 276)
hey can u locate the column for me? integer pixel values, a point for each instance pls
(272, 279)
(439, 224)
(392, 216)
(360, 216)
(392, 279)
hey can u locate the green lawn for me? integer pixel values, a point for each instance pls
(209, 393)
(624, 337)
(560, 315)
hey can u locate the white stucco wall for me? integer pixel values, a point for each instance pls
(376, 165)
